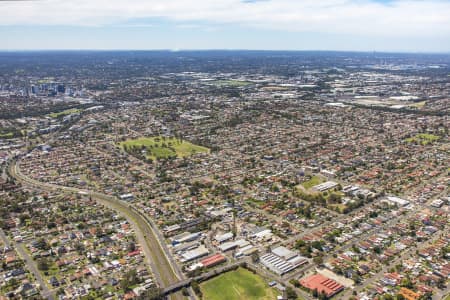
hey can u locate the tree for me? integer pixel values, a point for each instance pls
(295, 283)
(79, 247)
(335, 198)
(426, 296)
(290, 293)
(315, 293)
(323, 296)
(407, 283)
(60, 291)
(42, 244)
(318, 260)
(255, 257)
(196, 288)
(154, 293)
(299, 244)
(43, 264)
(131, 247)
(185, 292)
(441, 283)
(130, 278)
(317, 245)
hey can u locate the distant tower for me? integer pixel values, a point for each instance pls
(61, 88)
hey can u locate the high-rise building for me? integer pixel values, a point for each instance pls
(61, 88)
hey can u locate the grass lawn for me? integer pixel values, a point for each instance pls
(159, 147)
(237, 285)
(7, 135)
(53, 270)
(418, 104)
(255, 202)
(64, 113)
(423, 138)
(234, 83)
(315, 180)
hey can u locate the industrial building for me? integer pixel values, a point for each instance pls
(282, 260)
(322, 284)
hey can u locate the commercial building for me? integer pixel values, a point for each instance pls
(396, 200)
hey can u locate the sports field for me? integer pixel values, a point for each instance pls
(65, 113)
(238, 285)
(164, 147)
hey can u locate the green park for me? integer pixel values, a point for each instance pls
(163, 147)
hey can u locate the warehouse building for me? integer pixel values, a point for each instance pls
(322, 284)
(282, 260)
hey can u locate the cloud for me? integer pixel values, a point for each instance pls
(402, 18)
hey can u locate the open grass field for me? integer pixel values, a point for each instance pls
(46, 80)
(237, 285)
(64, 113)
(423, 139)
(315, 180)
(164, 147)
(7, 135)
(233, 83)
(418, 104)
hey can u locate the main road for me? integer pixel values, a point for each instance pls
(163, 266)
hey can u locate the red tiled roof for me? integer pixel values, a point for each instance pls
(134, 253)
(322, 284)
(213, 260)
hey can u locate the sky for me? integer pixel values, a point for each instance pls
(348, 25)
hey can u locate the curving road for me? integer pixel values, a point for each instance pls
(165, 269)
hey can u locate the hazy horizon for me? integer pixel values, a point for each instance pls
(401, 26)
(226, 50)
